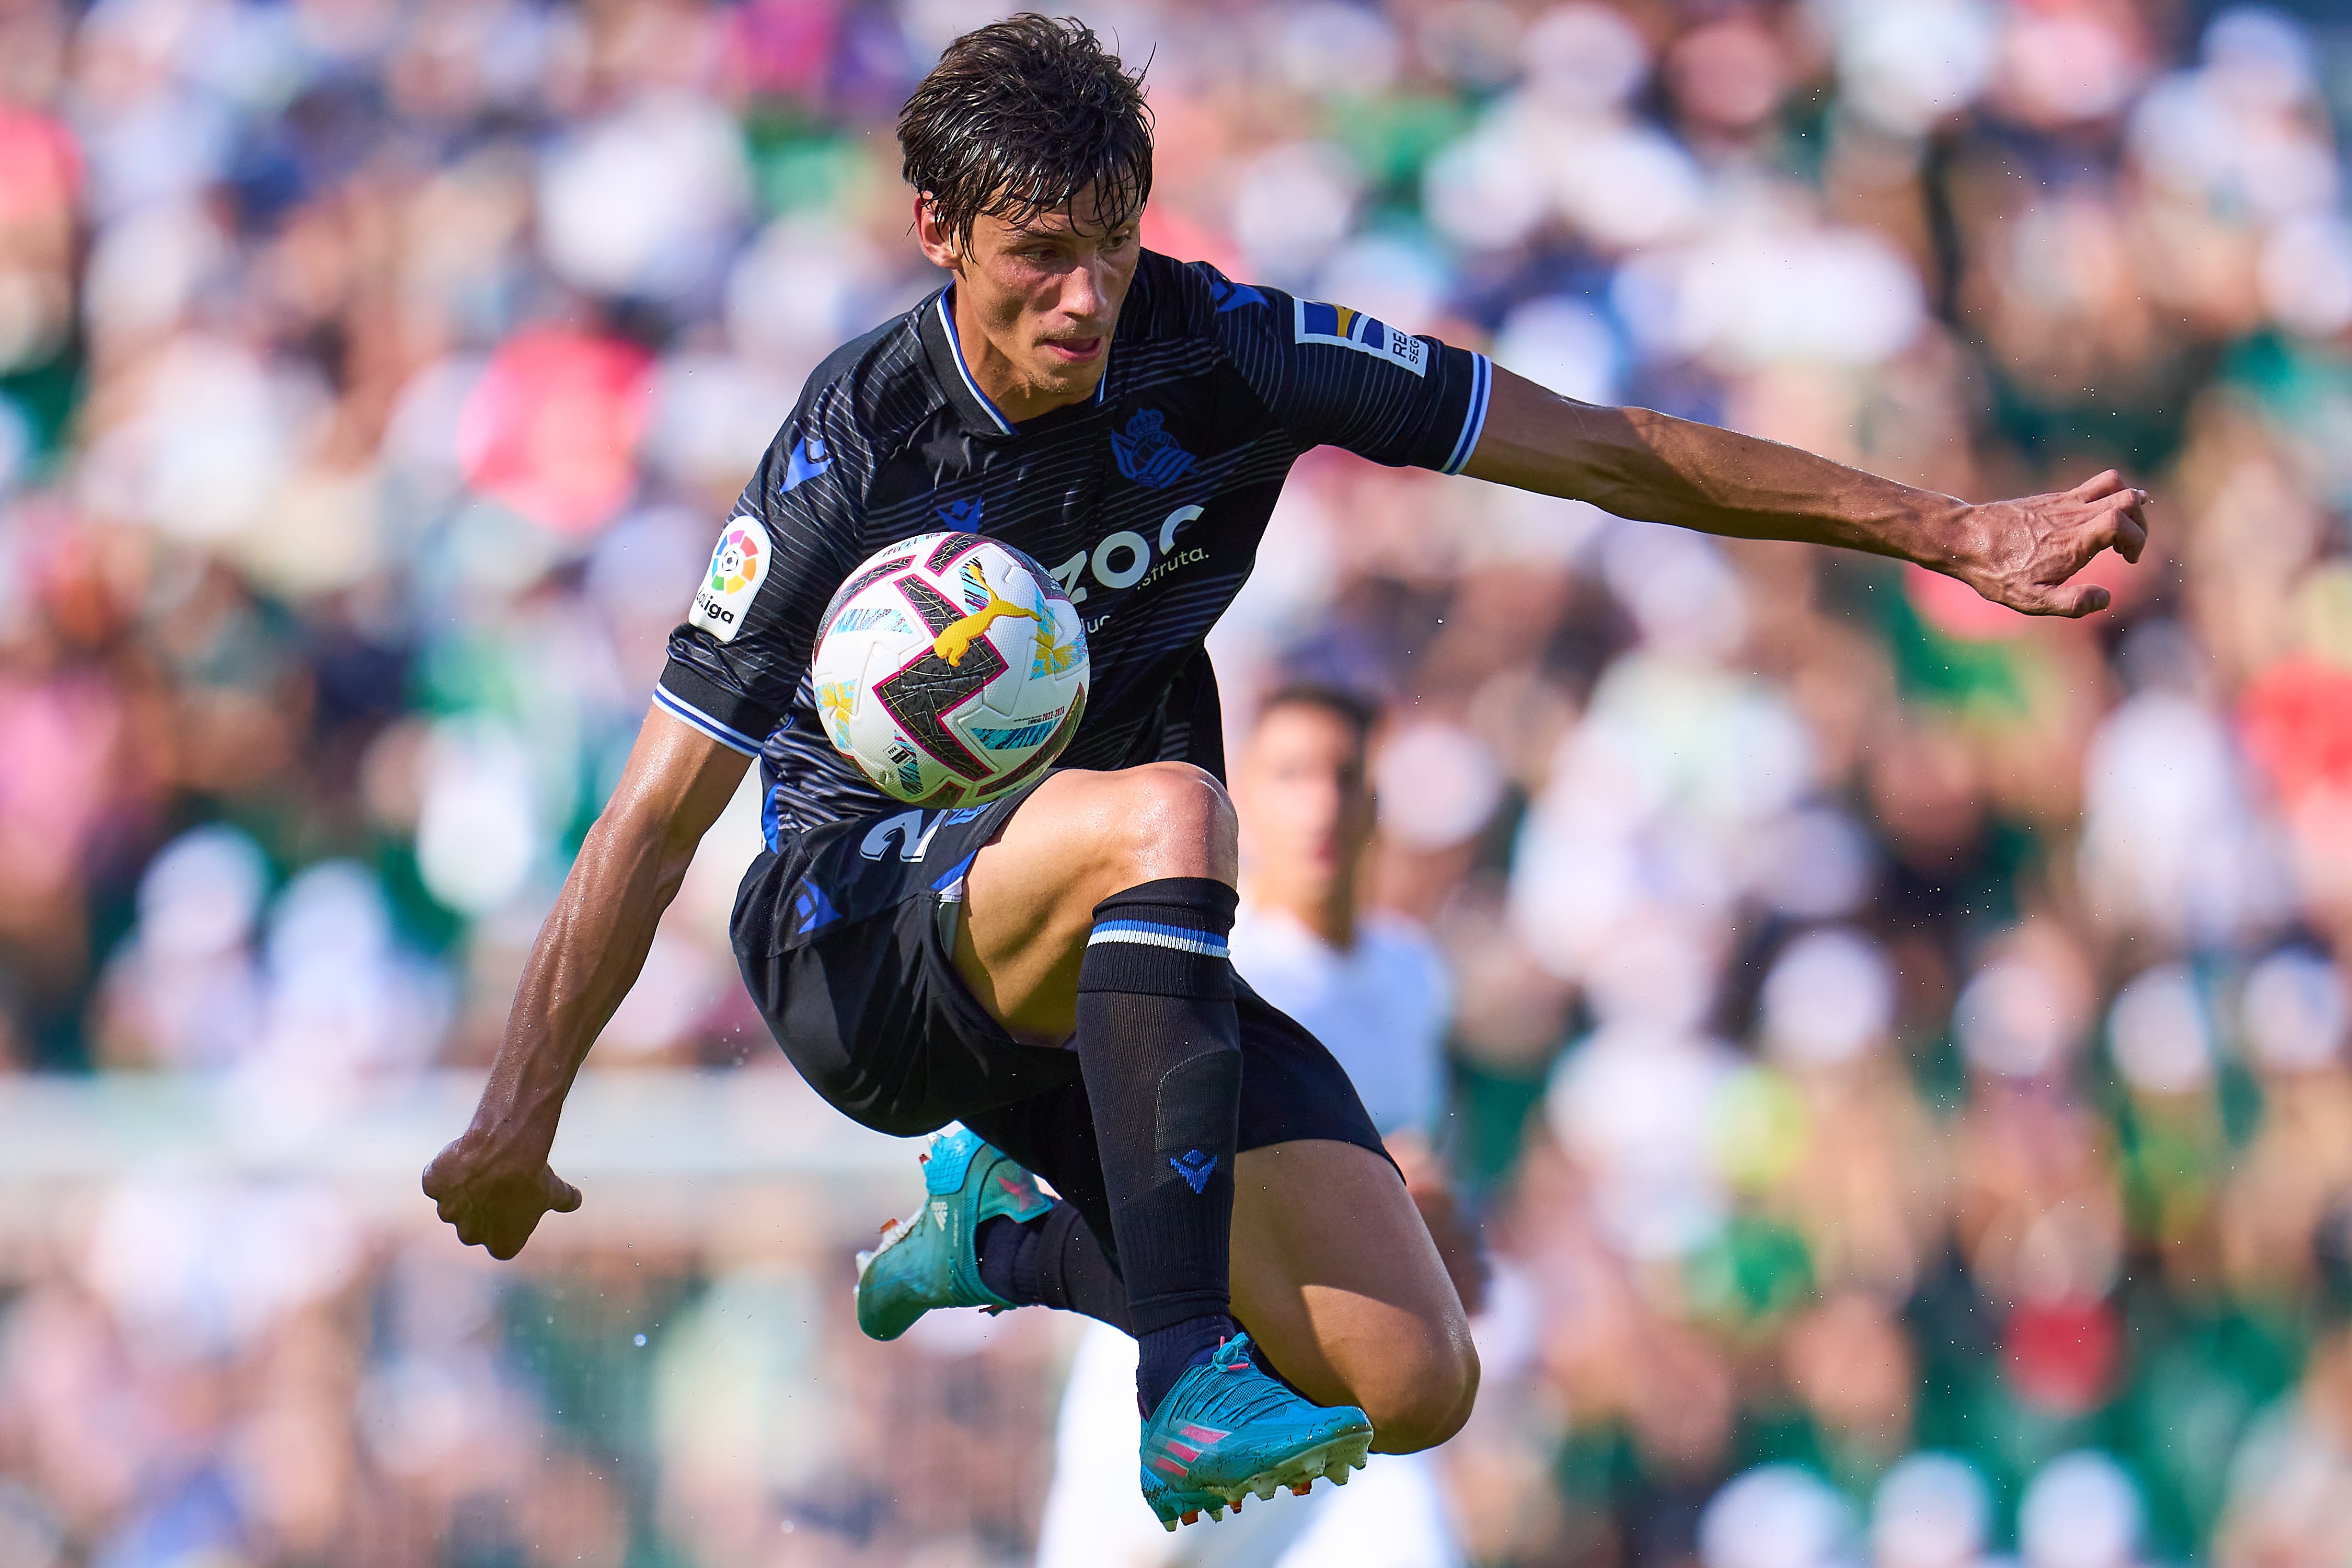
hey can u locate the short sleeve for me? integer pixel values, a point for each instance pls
(1336, 376)
(742, 652)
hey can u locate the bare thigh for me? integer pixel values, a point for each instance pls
(1335, 1274)
(1079, 837)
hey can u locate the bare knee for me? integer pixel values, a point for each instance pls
(1427, 1397)
(1166, 819)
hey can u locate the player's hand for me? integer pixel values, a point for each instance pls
(2023, 553)
(494, 1198)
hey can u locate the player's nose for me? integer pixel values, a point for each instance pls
(1082, 294)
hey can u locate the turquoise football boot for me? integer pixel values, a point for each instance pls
(931, 1258)
(1227, 1429)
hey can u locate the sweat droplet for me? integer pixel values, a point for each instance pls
(641, 1338)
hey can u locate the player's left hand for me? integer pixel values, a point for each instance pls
(2023, 553)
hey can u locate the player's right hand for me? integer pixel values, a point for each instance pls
(495, 1202)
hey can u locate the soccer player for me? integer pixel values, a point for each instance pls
(1050, 969)
(1372, 988)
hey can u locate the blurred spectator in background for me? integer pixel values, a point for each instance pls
(1898, 1048)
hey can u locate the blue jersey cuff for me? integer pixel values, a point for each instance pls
(1473, 418)
(680, 708)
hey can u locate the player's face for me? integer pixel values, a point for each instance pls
(1304, 800)
(1036, 301)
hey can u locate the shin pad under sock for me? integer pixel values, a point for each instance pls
(1159, 1048)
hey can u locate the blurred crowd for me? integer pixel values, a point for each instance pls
(1902, 1050)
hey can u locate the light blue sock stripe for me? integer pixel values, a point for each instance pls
(1162, 929)
(1150, 933)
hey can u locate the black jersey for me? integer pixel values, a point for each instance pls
(1147, 502)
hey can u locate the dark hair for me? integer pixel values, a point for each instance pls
(1361, 714)
(1019, 117)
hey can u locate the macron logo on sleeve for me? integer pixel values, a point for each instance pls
(809, 459)
(1232, 296)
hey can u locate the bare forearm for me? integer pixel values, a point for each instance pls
(2023, 553)
(1657, 469)
(493, 1182)
(587, 956)
(594, 941)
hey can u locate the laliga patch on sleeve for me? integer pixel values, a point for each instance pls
(738, 567)
(1343, 328)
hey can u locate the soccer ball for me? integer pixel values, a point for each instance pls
(950, 669)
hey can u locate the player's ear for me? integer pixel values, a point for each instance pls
(932, 236)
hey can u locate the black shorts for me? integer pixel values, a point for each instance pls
(844, 936)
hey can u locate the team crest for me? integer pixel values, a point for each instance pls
(807, 459)
(1148, 454)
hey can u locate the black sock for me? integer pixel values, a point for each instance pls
(1055, 1261)
(1159, 1048)
(1162, 1355)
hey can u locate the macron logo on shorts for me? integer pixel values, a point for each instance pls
(1150, 933)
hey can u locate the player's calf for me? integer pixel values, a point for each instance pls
(1415, 1376)
(1426, 1397)
(1336, 1274)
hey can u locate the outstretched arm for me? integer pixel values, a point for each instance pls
(494, 1183)
(1657, 469)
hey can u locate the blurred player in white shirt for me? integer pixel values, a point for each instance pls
(1372, 987)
